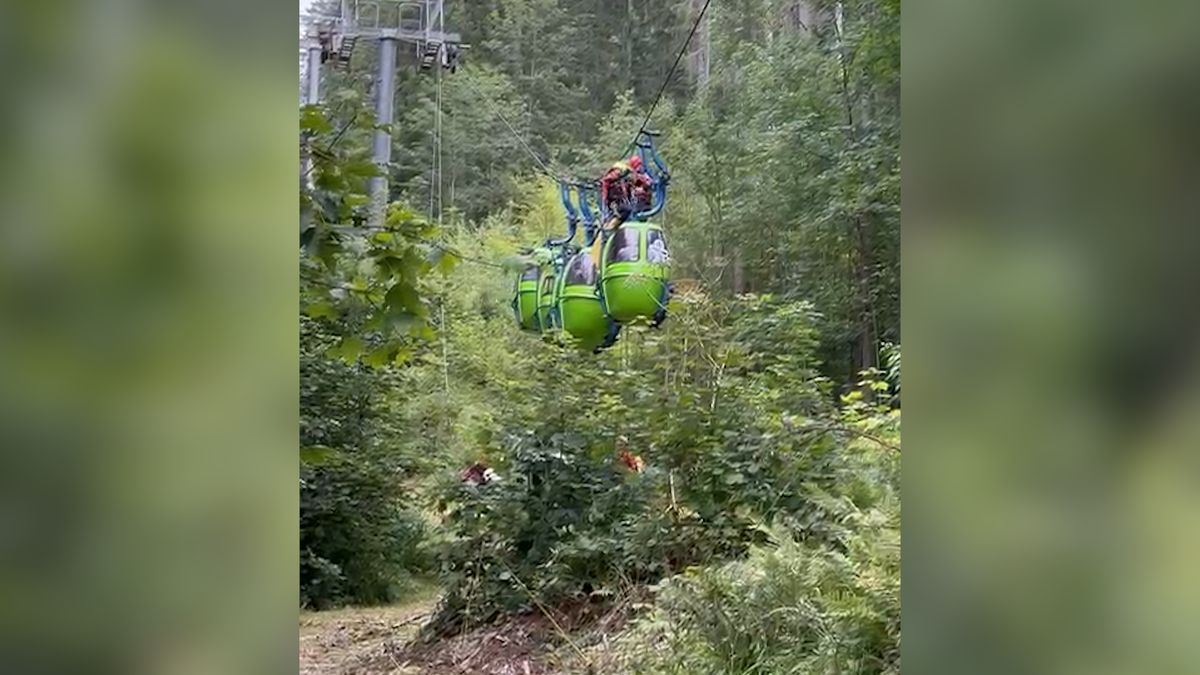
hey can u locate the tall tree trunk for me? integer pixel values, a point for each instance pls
(629, 33)
(866, 351)
(739, 272)
(868, 340)
(699, 60)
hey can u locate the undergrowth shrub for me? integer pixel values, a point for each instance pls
(791, 608)
(565, 524)
(735, 442)
(822, 597)
(359, 544)
(570, 523)
(361, 539)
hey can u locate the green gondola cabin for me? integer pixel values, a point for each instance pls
(525, 301)
(545, 308)
(580, 310)
(634, 273)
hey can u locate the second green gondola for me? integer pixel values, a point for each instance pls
(580, 309)
(546, 312)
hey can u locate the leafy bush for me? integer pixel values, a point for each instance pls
(564, 524)
(725, 459)
(794, 608)
(824, 598)
(570, 523)
(360, 540)
(358, 544)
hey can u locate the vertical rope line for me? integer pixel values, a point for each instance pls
(440, 203)
(432, 163)
(445, 351)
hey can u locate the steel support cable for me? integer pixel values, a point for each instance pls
(466, 258)
(435, 183)
(496, 111)
(365, 230)
(649, 113)
(667, 79)
(440, 122)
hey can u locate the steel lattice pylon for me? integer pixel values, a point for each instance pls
(416, 22)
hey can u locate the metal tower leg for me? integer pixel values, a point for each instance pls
(384, 115)
(312, 96)
(313, 91)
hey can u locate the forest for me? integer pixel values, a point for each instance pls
(718, 494)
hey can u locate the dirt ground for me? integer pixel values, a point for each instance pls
(379, 641)
(343, 641)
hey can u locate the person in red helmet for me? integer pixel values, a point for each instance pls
(625, 188)
(641, 185)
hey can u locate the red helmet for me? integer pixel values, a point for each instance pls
(635, 163)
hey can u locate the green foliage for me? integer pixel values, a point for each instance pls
(354, 276)
(823, 597)
(765, 409)
(358, 544)
(360, 539)
(558, 527)
(791, 608)
(788, 161)
(737, 434)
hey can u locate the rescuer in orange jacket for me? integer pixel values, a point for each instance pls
(625, 189)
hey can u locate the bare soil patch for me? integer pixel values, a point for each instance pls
(377, 641)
